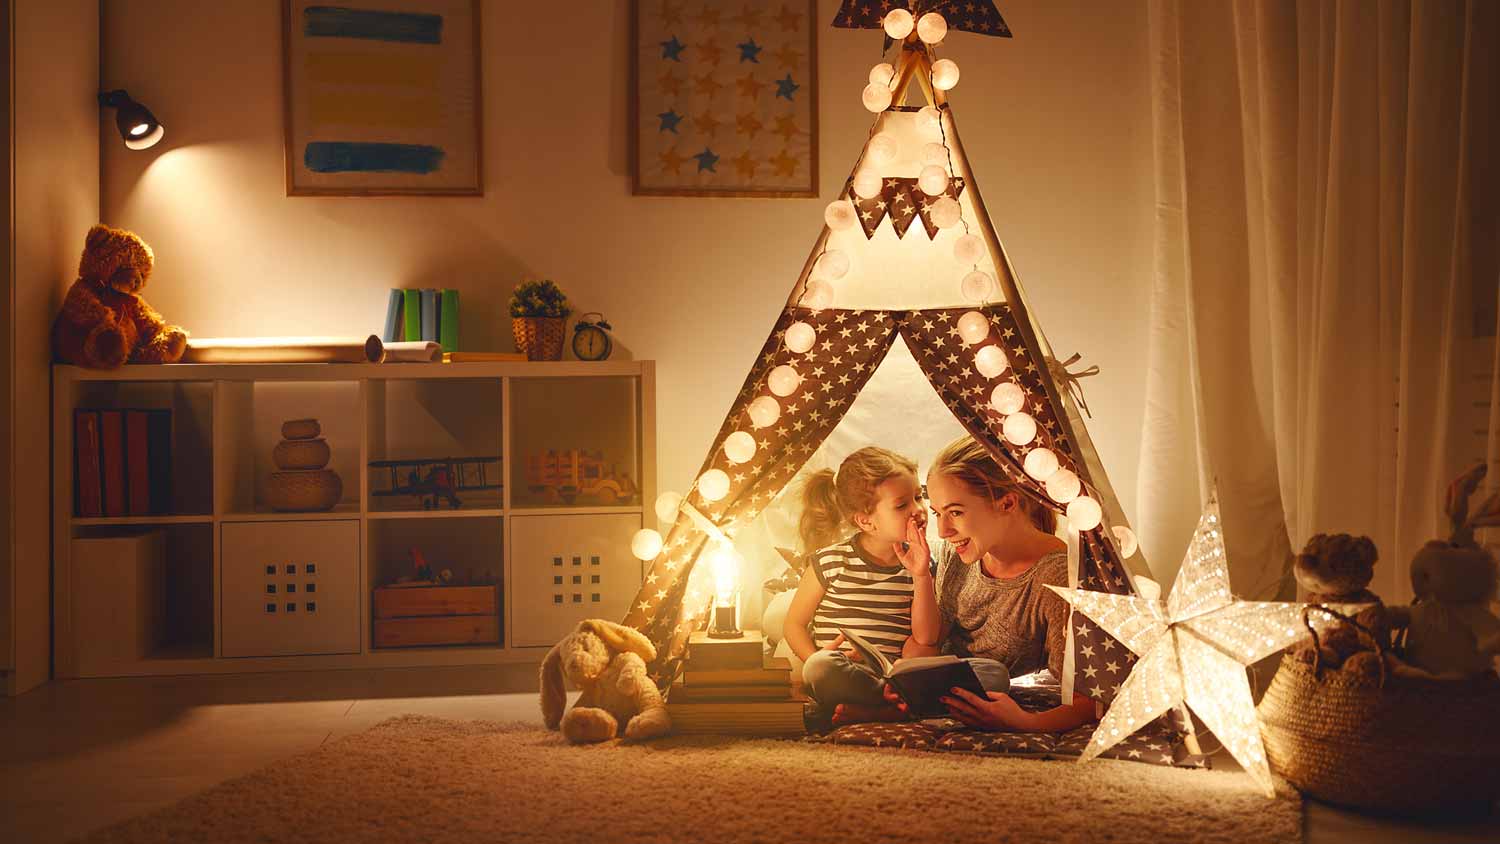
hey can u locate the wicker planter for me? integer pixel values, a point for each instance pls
(539, 338)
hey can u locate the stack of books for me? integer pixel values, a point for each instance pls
(422, 314)
(730, 686)
(122, 462)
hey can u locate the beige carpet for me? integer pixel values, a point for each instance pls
(425, 779)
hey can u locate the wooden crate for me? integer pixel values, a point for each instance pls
(421, 601)
(437, 630)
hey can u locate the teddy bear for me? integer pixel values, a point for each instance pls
(1450, 630)
(1337, 569)
(608, 662)
(104, 322)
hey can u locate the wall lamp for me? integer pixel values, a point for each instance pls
(138, 126)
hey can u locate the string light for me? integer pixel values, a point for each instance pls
(833, 264)
(898, 24)
(968, 249)
(840, 215)
(1063, 486)
(1084, 514)
(713, 485)
(1008, 398)
(667, 505)
(973, 328)
(1019, 428)
(990, 361)
(1041, 463)
(764, 412)
(944, 74)
(784, 380)
(882, 74)
(739, 447)
(930, 119)
(646, 544)
(1126, 539)
(932, 28)
(877, 98)
(934, 153)
(818, 295)
(945, 213)
(867, 183)
(884, 149)
(933, 180)
(800, 337)
(977, 286)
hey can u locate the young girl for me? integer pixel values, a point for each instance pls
(870, 576)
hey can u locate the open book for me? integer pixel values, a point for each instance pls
(921, 681)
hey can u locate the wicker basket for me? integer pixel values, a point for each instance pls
(300, 429)
(539, 338)
(304, 491)
(1389, 745)
(301, 454)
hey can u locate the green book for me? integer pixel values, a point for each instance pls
(413, 313)
(448, 322)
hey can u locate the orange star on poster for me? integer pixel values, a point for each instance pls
(671, 162)
(785, 164)
(710, 51)
(750, 86)
(749, 17)
(748, 124)
(745, 165)
(708, 85)
(790, 20)
(707, 124)
(786, 127)
(669, 83)
(670, 15)
(709, 16)
(788, 57)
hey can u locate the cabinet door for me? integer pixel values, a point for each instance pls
(290, 588)
(564, 569)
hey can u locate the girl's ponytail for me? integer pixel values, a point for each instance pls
(822, 520)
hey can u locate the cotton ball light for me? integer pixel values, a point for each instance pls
(646, 544)
(990, 361)
(932, 28)
(818, 295)
(713, 484)
(1008, 398)
(968, 249)
(839, 215)
(1040, 463)
(898, 23)
(1084, 513)
(1064, 486)
(1126, 538)
(930, 119)
(945, 213)
(933, 180)
(783, 380)
(884, 149)
(800, 337)
(977, 286)
(867, 183)
(877, 98)
(944, 74)
(832, 264)
(739, 447)
(764, 412)
(973, 327)
(934, 153)
(882, 74)
(1019, 428)
(667, 505)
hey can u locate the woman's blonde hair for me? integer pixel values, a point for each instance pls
(830, 500)
(969, 462)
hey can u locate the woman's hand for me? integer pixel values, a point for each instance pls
(998, 712)
(914, 554)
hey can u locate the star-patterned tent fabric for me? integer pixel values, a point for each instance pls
(977, 16)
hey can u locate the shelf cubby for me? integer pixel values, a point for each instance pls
(575, 443)
(250, 414)
(192, 438)
(471, 548)
(435, 437)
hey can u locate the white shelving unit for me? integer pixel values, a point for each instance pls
(555, 561)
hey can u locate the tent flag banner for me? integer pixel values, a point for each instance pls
(977, 16)
(901, 201)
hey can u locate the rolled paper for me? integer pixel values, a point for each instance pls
(285, 350)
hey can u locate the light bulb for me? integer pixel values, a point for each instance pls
(990, 361)
(973, 327)
(1128, 544)
(968, 249)
(882, 74)
(877, 98)
(1008, 398)
(764, 412)
(739, 447)
(945, 213)
(832, 264)
(840, 215)
(977, 286)
(1063, 486)
(898, 23)
(784, 380)
(713, 484)
(667, 505)
(884, 149)
(932, 28)
(1040, 463)
(944, 74)
(646, 544)
(1084, 513)
(933, 180)
(818, 295)
(934, 153)
(1019, 428)
(930, 119)
(800, 337)
(867, 183)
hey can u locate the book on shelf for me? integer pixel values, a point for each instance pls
(411, 316)
(448, 320)
(137, 463)
(88, 495)
(920, 681)
(429, 314)
(392, 331)
(112, 461)
(159, 461)
(122, 462)
(693, 675)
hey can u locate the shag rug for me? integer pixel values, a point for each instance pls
(417, 778)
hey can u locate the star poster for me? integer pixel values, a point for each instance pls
(724, 98)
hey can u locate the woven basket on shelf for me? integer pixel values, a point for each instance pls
(1384, 744)
(319, 489)
(539, 338)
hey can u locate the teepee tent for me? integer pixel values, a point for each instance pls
(906, 281)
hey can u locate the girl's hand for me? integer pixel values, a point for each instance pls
(998, 712)
(914, 554)
(892, 698)
(849, 652)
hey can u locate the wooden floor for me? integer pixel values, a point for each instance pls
(79, 755)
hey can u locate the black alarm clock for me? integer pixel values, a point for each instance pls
(591, 340)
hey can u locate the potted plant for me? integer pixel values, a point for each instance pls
(539, 313)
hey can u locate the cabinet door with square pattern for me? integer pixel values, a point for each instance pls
(290, 588)
(564, 569)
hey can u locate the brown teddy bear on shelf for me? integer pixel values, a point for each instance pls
(1337, 569)
(104, 322)
(608, 662)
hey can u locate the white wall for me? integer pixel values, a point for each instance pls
(1056, 122)
(55, 154)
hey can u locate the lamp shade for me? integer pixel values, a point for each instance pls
(138, 127)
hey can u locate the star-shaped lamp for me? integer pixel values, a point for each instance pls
(1193, 649)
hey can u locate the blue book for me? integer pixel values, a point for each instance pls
(429, 314)
(392, 331)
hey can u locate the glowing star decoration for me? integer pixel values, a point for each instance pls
(1193, 650)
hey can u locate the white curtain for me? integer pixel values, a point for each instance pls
(1325, 213)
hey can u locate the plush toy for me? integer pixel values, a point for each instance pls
(104, 322)
(608, 662)
(1450, 628)
(1337, 569)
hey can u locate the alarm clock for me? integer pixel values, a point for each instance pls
(591, 340)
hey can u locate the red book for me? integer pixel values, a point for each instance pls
(112, 459)
(137, 462)
(88, 499)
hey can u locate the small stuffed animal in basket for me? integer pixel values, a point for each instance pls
(1451, 631)
(104, 322)
(1337, 569)
(608, 662)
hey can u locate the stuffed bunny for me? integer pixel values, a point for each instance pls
(608, 662)
(1450, 629)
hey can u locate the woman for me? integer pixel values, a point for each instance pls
(1000, 553)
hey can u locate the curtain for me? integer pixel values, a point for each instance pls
(1324, 216)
